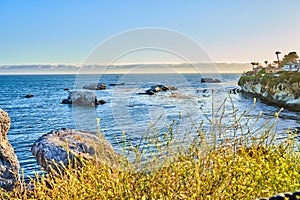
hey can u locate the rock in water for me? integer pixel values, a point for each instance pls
(210, 80)
(9, 164)
(98, 86)
(65, 145)
(82, 97)
(158, 88)
(29, 96)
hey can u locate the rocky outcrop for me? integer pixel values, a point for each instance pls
(9, 164)
(210, 80)
(158, 88)
(116, 84)
(65, 145)
(96, 86)
(280, 90)
(82, 98)
(28, 95)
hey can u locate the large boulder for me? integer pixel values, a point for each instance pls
(65, 145)
(83, 98)
(9, 164)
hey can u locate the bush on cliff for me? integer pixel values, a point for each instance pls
(271, 81)
(224, 161)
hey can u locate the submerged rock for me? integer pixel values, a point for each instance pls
(83, 98)
(65, 145)
(116, 84)
(9, 164)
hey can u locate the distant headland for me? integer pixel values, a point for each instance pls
(276, 83)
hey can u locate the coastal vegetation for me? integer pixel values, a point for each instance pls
(277, 83)
(272, 80)
(224, 161)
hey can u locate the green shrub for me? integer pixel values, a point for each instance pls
(243, 80)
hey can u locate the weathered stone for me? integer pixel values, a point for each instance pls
(210, 80)
(65, 145)
(98, 86)
(9, 164)
(282, 94)
(82, 97)
(158, 88)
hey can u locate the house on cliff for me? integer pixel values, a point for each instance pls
(292, 66)
(272, 69)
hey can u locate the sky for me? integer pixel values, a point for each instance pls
(67, 31)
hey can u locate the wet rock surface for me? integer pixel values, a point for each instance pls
(9, 164)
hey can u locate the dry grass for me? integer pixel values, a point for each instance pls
(227, 161)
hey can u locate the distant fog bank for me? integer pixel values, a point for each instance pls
(125, 69)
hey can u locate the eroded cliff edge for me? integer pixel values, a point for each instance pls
(281, 88)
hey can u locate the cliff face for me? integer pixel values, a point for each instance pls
(9, 164)
(282, 89)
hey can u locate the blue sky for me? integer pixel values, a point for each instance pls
(65, 31)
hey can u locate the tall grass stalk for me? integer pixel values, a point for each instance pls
(232, 159)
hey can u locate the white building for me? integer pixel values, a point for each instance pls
(292, 67)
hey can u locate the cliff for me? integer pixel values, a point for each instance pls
(9, 164)
(281, 88)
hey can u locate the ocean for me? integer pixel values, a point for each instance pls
(126, 109)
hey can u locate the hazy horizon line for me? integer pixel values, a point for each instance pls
(133, 63)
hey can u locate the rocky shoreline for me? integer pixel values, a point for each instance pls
(281, 89)
(59, 148)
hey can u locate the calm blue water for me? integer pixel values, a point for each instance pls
(126, 110)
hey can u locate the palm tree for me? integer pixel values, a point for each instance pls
(266, 62)
(277, 54)
(253, 63)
